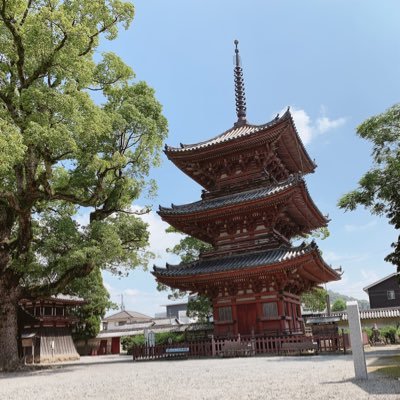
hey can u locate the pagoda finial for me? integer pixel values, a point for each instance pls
(240, 97)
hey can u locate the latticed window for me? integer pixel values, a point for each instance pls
(391, 295)
(270, 310)
(225, 314)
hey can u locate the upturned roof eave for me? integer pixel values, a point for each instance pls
(175, 154)
(310, 250)
(168, 213)
(206, 145)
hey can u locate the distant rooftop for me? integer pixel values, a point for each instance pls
(125, 314)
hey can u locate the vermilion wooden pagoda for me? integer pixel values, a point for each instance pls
(255, 201)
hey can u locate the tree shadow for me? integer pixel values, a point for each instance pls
(375, 384)
(53, 369)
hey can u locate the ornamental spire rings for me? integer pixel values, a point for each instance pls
(240, 96)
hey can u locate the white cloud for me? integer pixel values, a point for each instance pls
(363, 227)
(343, 258)
(325, 124)
(308, 128)
(159, 239)
(131, 292)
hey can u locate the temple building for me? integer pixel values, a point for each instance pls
(45, 328)
(254, 202)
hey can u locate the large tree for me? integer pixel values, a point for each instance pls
(379, 188)
(63, 154)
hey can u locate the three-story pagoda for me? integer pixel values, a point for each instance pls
(254, 202)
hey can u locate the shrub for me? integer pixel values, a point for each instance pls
(161, 338)
(129, 341)
(368, 331)
(389, 333)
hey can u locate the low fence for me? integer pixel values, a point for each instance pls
(259, 344)
(200, 348)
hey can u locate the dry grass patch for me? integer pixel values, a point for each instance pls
(388, 366)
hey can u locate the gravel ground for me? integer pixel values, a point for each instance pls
(117, 377)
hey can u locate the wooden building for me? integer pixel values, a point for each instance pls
(385, 292)
(254, 201)
(45, 327)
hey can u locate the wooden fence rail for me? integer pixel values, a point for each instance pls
(259, 344)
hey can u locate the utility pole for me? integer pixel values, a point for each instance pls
(122, 302)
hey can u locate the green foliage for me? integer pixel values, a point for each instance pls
(368, 331)
(315, 299)
(189, 248)
(339, 305)
(362, 304)
(92, 290)
(161, 338)
(389, 333)
(61, 153)
(128, 342)
(200, 307)
(379, 189)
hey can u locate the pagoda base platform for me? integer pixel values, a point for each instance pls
(267, 313)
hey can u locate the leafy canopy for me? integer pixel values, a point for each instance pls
(61, 153)
(379, 188)
(315, 299)
(339, 305)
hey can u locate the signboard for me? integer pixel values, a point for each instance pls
(27, 342)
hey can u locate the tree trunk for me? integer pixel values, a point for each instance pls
(8, 327)
(9, 295)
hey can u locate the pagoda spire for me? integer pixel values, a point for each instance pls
(240, 96)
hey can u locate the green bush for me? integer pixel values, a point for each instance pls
(368, 331)
(161, 338)
(389, 333)
(176, 337)
(398, 332)
(129, 341)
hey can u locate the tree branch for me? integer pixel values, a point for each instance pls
(57, 286)
(26, 12)
(17, 41)
(92, 37)
(44, 67)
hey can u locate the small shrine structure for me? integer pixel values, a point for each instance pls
(254, 202)
(45, 328)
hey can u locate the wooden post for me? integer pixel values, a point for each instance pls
(213, 349)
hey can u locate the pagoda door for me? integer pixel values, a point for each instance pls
(246, 318)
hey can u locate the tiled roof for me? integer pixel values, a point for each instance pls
(230, 134)
(378, 313)
(127, 315)
(232, 199)
(237, 262)
(380, 281)
(374, 313)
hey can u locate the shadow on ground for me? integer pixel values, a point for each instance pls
(53, 369)
(375, 384)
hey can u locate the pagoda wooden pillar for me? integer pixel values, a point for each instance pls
(260, 314)
(234, 317)
(281, 313)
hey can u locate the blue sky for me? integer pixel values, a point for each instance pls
(334, 62)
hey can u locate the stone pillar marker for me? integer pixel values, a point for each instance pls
(357, 347)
